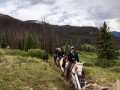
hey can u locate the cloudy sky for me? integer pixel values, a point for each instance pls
(66, 12)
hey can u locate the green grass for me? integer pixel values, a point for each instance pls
(24, 73)
(89, 58)
(103, 76)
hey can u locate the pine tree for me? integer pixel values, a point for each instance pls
(105, 47)
(29, 42)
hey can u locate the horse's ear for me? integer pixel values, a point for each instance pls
(82, 62)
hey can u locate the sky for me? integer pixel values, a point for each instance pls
(66, 12)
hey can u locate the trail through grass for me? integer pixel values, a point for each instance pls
(23, 72)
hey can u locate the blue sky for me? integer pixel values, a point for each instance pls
(66, 12)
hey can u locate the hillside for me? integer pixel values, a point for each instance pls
(47, 36)
(117, 34)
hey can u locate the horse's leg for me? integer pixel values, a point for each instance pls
(65, 72)
(71, 67)
(72, 81)
(46, 60)
(55, 60)
(62, 74)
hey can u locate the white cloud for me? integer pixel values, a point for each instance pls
(62, 12)
(113, 24)
(33, 12)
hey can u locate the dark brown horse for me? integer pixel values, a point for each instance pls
(45, 57)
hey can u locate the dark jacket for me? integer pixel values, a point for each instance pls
(56, 52)
(72, 57)
(60, 54)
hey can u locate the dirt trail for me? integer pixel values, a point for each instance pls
(67, 83)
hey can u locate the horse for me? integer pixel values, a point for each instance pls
(45, 57)
(77, 74)
(63, 63)
(58, 61)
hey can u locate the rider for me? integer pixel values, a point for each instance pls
(72, 58)
(55, 55)
(60, 53)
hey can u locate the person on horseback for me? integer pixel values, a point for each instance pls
(59, 56)
(72, 59)
(60, 53)
(55, 55)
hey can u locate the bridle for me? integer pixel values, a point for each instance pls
(75, 69)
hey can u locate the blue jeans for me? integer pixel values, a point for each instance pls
(55, 57)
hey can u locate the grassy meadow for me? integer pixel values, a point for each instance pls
(22, 71)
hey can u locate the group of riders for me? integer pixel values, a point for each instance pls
(73, 69)
(72, 57)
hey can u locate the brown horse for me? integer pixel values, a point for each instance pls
(63, 62)
(45, 57)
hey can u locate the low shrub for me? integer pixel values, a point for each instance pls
(89, 64)
(15, 52)
(88, 47)
(38, 53)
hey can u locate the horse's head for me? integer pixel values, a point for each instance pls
(79, 69)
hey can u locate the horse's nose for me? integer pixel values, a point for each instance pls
(79, 74)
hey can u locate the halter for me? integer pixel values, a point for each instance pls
(78, 80)
(75, 68)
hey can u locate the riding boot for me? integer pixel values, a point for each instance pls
(68, 70)
(55, 60)
(67, 74)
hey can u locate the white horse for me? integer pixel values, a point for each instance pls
(76, 74)
(58, 61)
